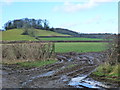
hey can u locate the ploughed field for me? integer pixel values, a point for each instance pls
(55, 75)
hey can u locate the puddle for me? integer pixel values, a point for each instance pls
(97, 84)
(3, 72)
(85, 82)
(75, 82)
(38, 76)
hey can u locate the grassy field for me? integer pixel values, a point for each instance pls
(80, 47)
(15, 34)
(69, 39)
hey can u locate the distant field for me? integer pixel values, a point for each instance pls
(80, 47)
(69, 39)
(15, 34)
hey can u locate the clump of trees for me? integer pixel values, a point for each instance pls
(32, 23)
(28, 25)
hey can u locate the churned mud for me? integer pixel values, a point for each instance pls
(71, 70)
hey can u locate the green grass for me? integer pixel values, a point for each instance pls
(36, 63)
(108, 72)
(80, 47)
(69, 39)
(15, 34)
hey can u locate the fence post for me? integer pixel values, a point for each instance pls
(53, 50)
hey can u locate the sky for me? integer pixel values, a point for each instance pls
(83, 16)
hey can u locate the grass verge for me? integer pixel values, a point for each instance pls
(107, 73)
(36, 63)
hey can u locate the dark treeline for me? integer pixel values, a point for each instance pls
(97, 35)
(20, 23)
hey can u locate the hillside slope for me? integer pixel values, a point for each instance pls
(66, 31)
(16, 34)
(48, 33)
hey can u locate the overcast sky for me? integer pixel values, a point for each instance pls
(84, 16)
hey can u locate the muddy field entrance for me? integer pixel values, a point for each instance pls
(58, 75)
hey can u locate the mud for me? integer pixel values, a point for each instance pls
(57, 75)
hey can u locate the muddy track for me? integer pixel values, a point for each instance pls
(58, 75)
(82, 70)
(67, 70)
(46, 68)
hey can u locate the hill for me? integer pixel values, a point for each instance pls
(66, 31)
(16, 34)
(49, 33)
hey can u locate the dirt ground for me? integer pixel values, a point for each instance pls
(55, 75)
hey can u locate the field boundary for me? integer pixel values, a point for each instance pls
(8, 42)
(28, 51)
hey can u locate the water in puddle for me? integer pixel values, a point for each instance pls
(38, 76)
(44, 74)
(83, 81)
